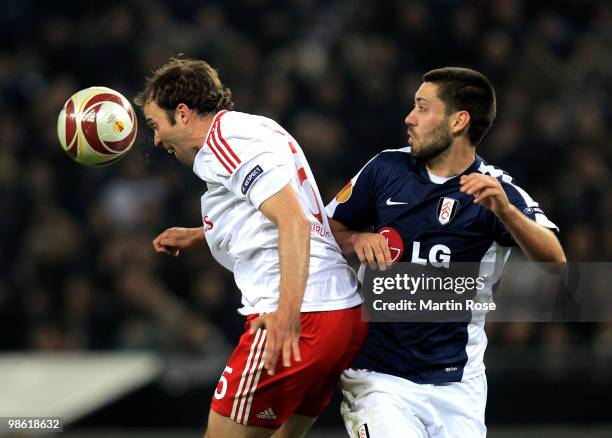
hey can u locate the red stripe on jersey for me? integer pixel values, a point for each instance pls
(212, 124)
(209, 143)
(302, 175)
(220, 149)
(227, 146)
(293, 149)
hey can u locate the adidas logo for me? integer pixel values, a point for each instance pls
(267, 414)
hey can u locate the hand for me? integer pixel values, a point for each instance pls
(283, 337)
(174, 239)
(487, 191)
(373, 249)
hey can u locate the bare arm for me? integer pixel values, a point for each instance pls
(283, 325)
(537, 242)
(343, 236)
(369, 247)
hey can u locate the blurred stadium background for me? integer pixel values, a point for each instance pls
(96, 328)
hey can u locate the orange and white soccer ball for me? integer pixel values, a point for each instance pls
(97, 126)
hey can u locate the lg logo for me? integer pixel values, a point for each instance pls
(439, 255)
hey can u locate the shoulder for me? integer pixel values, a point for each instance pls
(385, 165)
(507, 181)
(235, 138)
(488, 169)
(240, 126)
(391, 159)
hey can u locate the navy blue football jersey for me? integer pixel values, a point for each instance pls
(438, 225)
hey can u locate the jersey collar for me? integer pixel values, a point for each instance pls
(213, 124)
(422, 170)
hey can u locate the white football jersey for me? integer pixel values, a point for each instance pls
(246, 159)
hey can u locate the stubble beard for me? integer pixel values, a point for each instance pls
(433, 144)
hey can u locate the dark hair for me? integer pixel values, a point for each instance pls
(192, 82)
(464, 89)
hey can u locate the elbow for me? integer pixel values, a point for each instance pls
(557, 263)
(301, 220)
(304, 224)
(556, 253)
(561, 259)
(559, 255)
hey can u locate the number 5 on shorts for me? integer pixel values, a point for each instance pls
(219, 394)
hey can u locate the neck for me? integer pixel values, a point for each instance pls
(453, 161)
(199, 131)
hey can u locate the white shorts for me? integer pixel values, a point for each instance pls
(377, 405)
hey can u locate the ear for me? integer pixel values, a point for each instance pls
(183, 113)
(459, 121)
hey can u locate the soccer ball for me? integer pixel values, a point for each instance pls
(97, 126)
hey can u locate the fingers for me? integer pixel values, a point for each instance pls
(484, 194)
(373, 249)
(159, 244)
(383, 255)
(480, 186)
(167, 243)
(379, 261)
(474, 183)
(291, 348)
(295, 347)
(369, 256)
(257, 323)
(360, 252)
(272, 348)
(271, 352)
(287, 350)
(487, 192)
(279, 344)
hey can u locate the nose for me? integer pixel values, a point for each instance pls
(156, 139)
(410, 119)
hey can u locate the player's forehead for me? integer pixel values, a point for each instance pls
(152, 111)
(428, 92)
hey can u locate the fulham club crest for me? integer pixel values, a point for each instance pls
(447, 207)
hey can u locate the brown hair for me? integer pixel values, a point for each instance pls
(464, 89)
(192, 82)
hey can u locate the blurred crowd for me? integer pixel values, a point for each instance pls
(77, 268)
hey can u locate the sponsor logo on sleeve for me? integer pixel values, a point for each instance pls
(250, 178)
(532, 210)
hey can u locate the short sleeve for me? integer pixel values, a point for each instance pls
(260, 178)
(525, 204)
(244, 156)
(353, 205)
